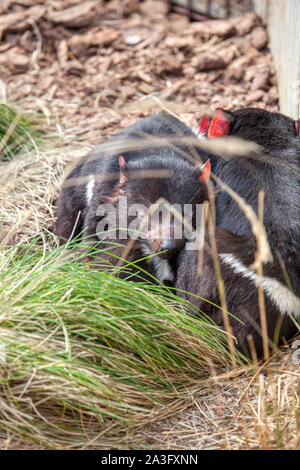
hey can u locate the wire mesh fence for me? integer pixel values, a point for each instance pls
(203, 9)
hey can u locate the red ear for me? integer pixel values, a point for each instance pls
(204, 177)
(220, 125)
(122, 165)
(204, 125)
(297, 127)
(122, 162)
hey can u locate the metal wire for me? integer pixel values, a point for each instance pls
(207, 8)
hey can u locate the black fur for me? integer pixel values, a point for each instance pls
(241, 292)
(272, 170)
(181, 188)
(279, 179)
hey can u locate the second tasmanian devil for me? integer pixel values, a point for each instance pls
(276, 171)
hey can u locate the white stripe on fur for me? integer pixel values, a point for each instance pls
(90, 189)
(162, 268)
(283, 298)
(195, 130)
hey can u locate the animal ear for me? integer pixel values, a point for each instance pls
(297, 126)
(205, 172)
(220, 125)
(204, 125)
(122, 165)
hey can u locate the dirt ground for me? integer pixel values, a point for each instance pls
(94, 67)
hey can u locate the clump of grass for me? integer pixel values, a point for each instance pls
(18, 130)
(86, 354)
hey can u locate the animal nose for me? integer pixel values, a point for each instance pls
(168, 245)
(171, 247)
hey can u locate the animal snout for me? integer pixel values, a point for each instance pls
(171, 247)
(168, 247)
(164, 239)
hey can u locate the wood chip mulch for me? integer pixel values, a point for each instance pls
(90, 65)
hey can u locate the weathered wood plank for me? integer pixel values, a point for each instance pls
(283, 20)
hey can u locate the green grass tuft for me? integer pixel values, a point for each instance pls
(84, 352)
(18, 130)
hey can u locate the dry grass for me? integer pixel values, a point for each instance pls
(244, 409)
(29, 185)
(248, 412)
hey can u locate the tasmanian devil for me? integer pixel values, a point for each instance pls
(275, 170)
(131, 170)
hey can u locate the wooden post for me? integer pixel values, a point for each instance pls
(283, 20)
